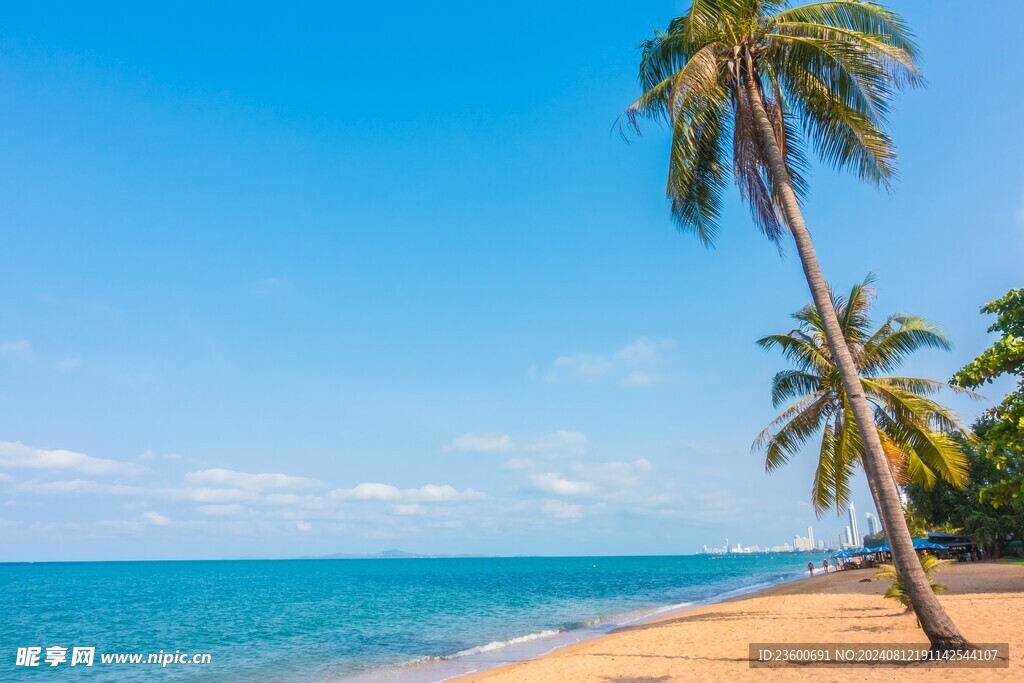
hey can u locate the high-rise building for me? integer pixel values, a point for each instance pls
(873, 526)
(853, 525)
(810, 536)
(849, 536)
(802, 543)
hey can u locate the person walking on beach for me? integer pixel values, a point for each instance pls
(810, 568)
(824, 565)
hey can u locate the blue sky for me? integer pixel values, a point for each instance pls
(382, 275)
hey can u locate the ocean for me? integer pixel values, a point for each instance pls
(297, 621)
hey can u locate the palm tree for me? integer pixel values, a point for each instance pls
(930, 565)
(914, 430)
(752, 70)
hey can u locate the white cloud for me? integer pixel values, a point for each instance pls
(17, 455)
(80, 486)
(617, 480)
(207, 495)
(231, 510)
(562, 443)
(634, 365)
(643, 351)
(244, 480)
(304, 527)
(409, 509)
(562, 510)
(481, 443)
(151, 455)
(587, 366)
(641, 379)
(551, 482)
(6, 477)
(283, 499)
(156, 518)
(431, 493)
(21, 349)
(518, 464)
(368, 491)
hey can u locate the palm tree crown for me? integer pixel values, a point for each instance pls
(914, 429)
(826, 73)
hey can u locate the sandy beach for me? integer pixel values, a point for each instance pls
(711, 642)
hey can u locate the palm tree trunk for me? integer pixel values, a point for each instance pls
(940, 629)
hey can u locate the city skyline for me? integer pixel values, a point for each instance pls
(808, 542)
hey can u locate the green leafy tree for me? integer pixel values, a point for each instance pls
(915, 431)
(1003, 425)
(947, 508)
(747, 86)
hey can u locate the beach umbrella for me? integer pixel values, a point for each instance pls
(919, 544)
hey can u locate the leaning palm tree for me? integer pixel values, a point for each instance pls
(914, 429)
(766, 80)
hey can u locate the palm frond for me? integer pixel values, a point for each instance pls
(842, 115)
(867, 18)
(806, 352)
(852, 310)
(898, 64)
(935, 450)
(836, 464)
(921, 386)
(697, 178)
(908, 407)
(788, 433)
(791, 384)
(900, 336)
(679, 93)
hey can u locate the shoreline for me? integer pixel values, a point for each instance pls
(711, 640)
(659, 615)
(490, 657)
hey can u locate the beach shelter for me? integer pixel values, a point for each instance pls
(919, 544)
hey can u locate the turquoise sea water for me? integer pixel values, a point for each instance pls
(323, 620)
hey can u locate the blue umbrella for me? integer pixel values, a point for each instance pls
(919, 544)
